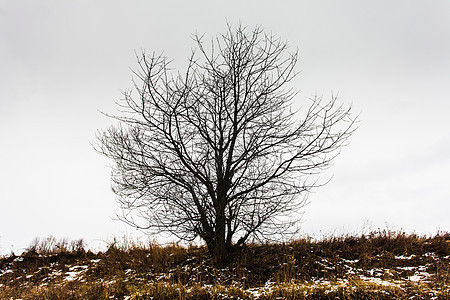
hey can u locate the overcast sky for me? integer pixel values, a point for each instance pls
(61, 62)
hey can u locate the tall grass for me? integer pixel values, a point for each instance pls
(379, 265)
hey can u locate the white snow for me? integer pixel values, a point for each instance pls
(415, 278)
(405, 257)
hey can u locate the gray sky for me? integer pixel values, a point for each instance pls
(63, 61)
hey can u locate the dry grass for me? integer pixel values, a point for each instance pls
(381, 265)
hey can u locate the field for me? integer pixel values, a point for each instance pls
(380, 265)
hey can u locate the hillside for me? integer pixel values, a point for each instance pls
(381, 265)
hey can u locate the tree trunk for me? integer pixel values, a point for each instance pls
(209, 239)
(220, 251)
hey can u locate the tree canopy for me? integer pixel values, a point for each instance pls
(216, 151)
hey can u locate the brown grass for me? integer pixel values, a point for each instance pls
(380, 265)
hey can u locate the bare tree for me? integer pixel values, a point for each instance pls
(217, 152)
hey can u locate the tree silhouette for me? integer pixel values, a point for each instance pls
(216, 152)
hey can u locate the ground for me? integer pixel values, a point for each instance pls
(381, 265)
